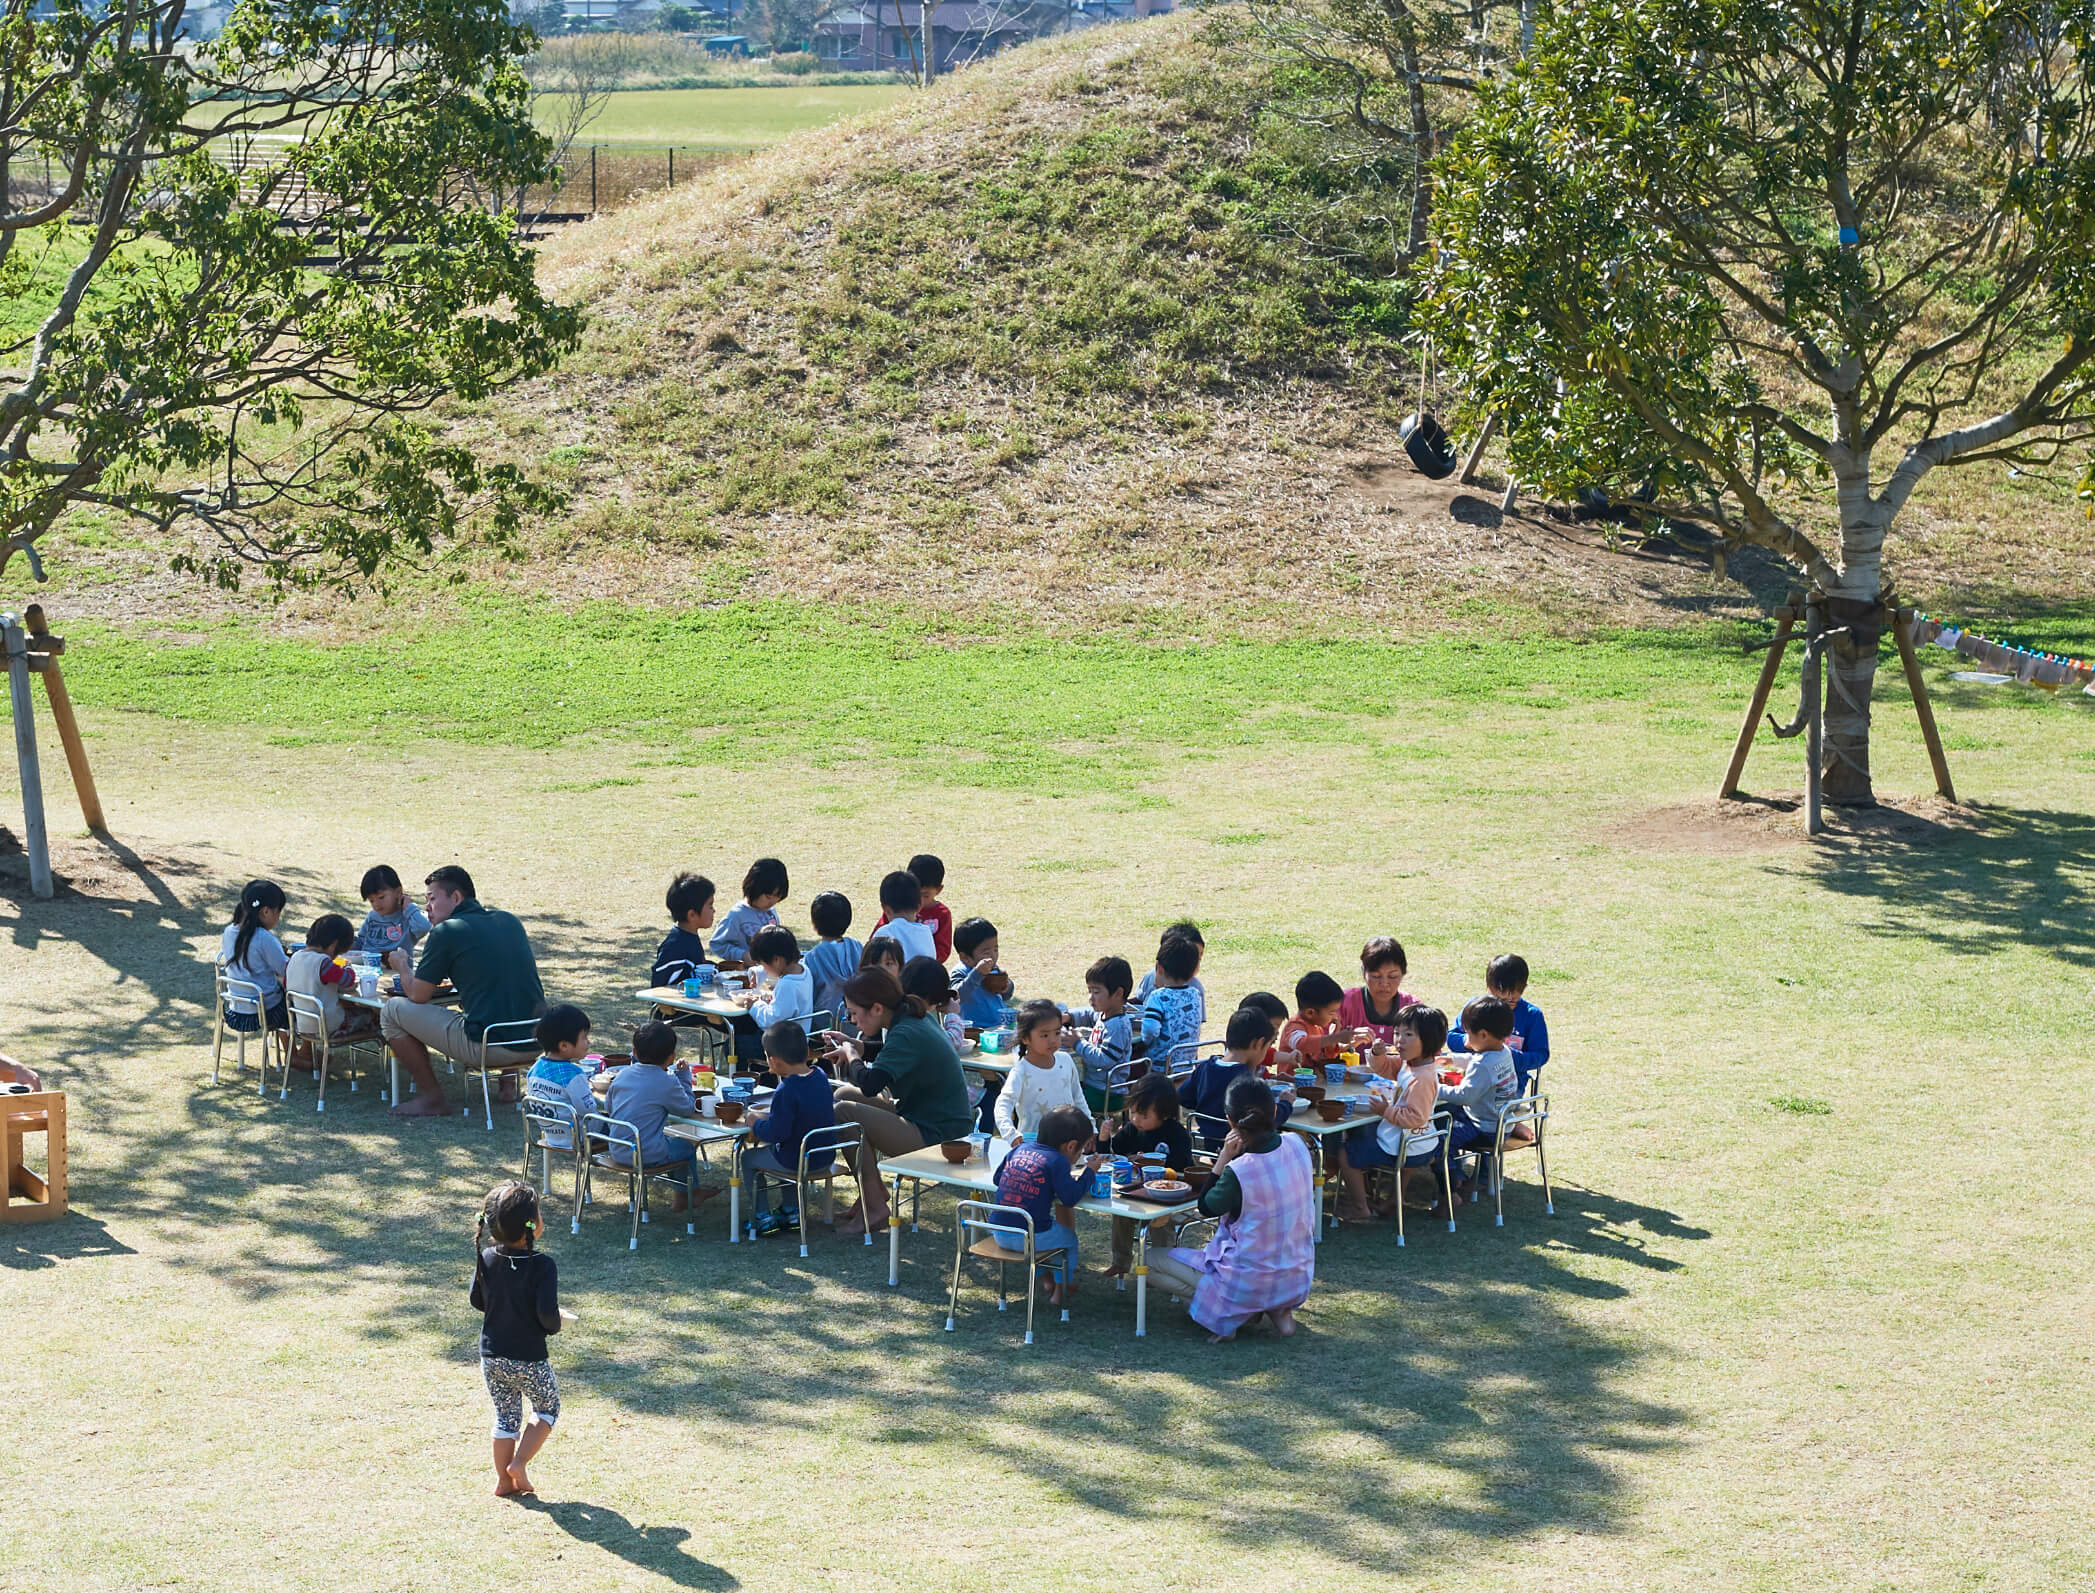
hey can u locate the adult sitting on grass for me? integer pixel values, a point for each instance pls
(914, 1095)
(1263, 1256)
(487, 957)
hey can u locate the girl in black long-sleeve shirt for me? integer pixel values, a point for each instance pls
(517, 1292)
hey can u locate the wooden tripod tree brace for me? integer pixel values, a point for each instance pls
(1785, 621)
(62, 716)
(1476, 450)
(1922, 708)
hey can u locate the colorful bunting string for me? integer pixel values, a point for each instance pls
(2047, 671)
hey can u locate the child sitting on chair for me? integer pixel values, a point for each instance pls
(1152, 1125)
(1042, 1179)
(793, 993)
(683, 949)
(317, 972)
(901, 901)
(1176, 1007)
(983, 990)
(1044, 1078)
(763, 888)
(1205, 1091)
(1490, 1082)
(645, 1094)
(1310, 1036)
(801, 1104)
(394, 923)
(1507, 978)
(1103, 1034)
(936, 917)
(1406, 1112)
(559, 1074)
(253, 955)
(834, 957)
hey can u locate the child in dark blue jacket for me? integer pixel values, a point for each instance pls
(1205, 1091)
(801, 1104)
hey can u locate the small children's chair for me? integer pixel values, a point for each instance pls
(226, 990)
(838, 1137)
(988, 1218)
(1441, 1124)
(615, 1135)
(499, 1037)
(540, 1116)
(1531, 1112)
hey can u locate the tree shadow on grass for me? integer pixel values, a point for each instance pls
(2015, 875)
(656, 1549)
(31, 1247)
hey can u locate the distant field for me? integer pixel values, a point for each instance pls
(737, 118)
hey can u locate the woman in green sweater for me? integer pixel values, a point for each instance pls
(913, 1095)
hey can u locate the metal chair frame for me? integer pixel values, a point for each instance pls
(526, 1028)
(225, 987)
(549, 1113)
(1530, 1110)
(836, 1137)
(1031, 1256)
(615, 1132)
(1183, 1058)
(1441, 1123)
(309, 1022)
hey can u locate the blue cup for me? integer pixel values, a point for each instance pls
(1334, 1072)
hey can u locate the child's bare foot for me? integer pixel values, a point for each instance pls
(519, 1482)
(505, 1487)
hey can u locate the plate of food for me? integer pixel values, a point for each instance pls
(1165, 1191)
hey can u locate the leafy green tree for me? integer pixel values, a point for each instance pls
(183, 359)
(1766, 264)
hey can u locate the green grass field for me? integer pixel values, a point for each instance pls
(1812, 1313)
(729, 118)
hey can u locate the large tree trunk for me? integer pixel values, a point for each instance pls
(1851, 672)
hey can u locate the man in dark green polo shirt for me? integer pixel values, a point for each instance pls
(487, 957)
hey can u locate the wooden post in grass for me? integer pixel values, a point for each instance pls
(1900, 619)
(40, 638)
(1814, 701)
(1476, 449)
(1785, 621)
(16, 643)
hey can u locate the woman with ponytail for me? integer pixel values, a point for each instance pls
(251, 952)
(914, 1095)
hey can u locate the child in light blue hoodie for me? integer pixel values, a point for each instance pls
(976, 941)
(763, 888)
(559, 1074)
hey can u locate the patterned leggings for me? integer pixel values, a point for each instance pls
(510, 1383)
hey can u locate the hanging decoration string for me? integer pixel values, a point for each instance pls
(2046, 671)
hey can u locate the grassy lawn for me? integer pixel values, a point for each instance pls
(1761, 1345)
(730, 118)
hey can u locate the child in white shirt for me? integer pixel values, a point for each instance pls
(317, 972)
(902, 898)
(1044, 1077)
(793, 994)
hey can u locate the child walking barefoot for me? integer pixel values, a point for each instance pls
(517, 1291)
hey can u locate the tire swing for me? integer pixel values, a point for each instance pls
(1423, 437)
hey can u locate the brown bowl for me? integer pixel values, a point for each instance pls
(1331, 1111)
(1311, 1093)
(956, 1151)
(997, 982)
(730, 1112)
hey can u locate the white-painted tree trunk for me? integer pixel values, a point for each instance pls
(1851, 656)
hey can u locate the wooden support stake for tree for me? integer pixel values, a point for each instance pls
(1814, 702)
(16, 644)
(62, 716)
(1900, 619)
(1476, 449)
(1785, 621)
(1512, 492)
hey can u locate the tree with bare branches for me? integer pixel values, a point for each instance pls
(251, 275)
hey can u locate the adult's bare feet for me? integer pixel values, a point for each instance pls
(424, 1105)
(1283, 1323)
(852, 1227)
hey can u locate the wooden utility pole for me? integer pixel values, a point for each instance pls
(41, 639)
(35, 836)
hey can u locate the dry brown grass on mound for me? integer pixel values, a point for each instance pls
(1770, 821)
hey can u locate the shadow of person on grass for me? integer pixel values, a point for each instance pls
(656, 1549)
(30, 1247)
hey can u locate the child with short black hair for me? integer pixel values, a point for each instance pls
(559, 1074)
(1176, 1007)
(516, 1290)
(1507, 978)
(801, 1104)
(1405, 1109)
(1042, 1178)
(1490, 1081)
(1152, 1125)
(1184, 929)
(317, 972)
(1044, 1078)
(983, 990)
(393, 923)
(933, 914)
(1205, 1091)
(645, 1094)
(1276, 1009)
(1302, 1038)
(1103, 1032)
(774, 950)
(834, 957)
(763, 888)
(683, 951)
(901, 901)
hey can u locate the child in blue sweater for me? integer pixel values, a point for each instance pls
(1041, 1178)
(1104, 1032)
(560, 1076)
(1205, 1092)
(984, 990)
(801, 1104)
(1176, 1008)
(834, 957)
(1507, 978)
(763, 888)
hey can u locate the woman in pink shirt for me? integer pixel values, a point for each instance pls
(1375, 1002)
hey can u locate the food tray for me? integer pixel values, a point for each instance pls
(1170, 1197)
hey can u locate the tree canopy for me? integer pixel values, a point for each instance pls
(239, 273)
(1744, 259)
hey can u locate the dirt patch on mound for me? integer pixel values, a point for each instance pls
(101, 870)
(1775, 820)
